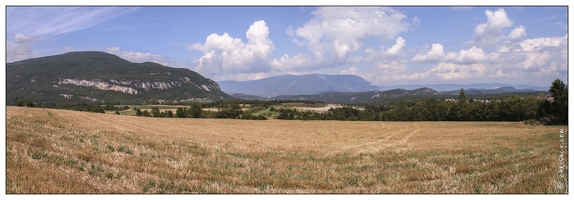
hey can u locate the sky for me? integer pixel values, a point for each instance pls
(385, 45)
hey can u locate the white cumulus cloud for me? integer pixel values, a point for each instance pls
(387, 72)
(139, 57)
(539, 43)
(472, 55)
(340, 30)
(372, 55)
(286, 62)
(490, 33)
(23, 39)
(20, 49)
(225, 54)
(393, 72)
(451, 71)
(19, 52)
(517, 33)
(535, 60)
(535, 44)
(352, 71)
(497, 20)
(400, 43)
(435, 54)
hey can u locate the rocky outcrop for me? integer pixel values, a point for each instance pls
(132, 86)
(102, 85)
(69, 96)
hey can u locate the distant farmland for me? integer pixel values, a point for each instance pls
(60, 151)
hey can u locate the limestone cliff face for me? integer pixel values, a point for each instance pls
(132, 86)
(99, 85)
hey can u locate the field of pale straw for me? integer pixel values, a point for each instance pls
(59, 151)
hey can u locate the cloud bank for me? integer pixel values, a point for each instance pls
(515, 59)
(27, 26)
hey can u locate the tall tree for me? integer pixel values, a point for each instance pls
(146, 113)
(230, 109)
(420, 111)
(461, 97)
(235, 109)
(29, 103)
(439, 109)
(559, 107)
(181, 113)
(195, 110)
(19, 102)
(464, 108)
(155, 112)
(559, 92)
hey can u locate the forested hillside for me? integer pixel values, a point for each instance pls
(101, 77)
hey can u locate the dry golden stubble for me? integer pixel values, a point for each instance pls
(58, 151)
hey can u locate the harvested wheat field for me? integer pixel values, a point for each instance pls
(58, 151)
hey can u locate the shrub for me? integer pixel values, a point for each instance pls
(146, 113)
(532, 122)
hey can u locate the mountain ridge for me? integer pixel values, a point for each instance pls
(452, 87)
(362, 97)
(393, 94)
(297, 85)
(500, 90)
(93, 76)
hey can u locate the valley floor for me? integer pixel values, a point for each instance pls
(60, 151)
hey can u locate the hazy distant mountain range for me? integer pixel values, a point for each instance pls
(326, 86)
(500, 90)
(362, 97)
(354, 89)
(297, 85)
(457, 87)
(396, 94)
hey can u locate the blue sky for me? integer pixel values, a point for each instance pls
(384, 45)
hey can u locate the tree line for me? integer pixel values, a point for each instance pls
(95, 108)
(551, 111)
(227, 109)
(530, 109)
